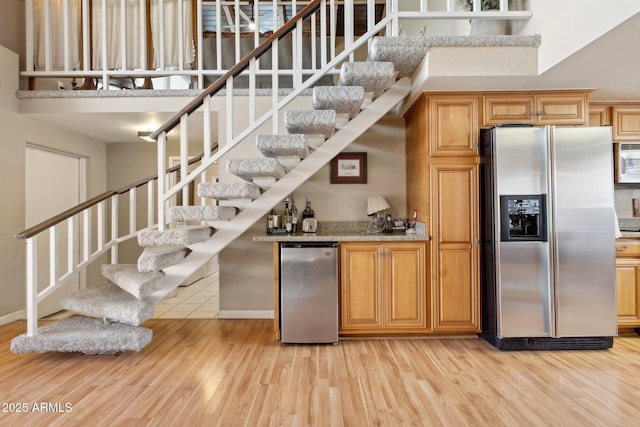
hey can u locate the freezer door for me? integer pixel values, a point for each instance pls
(583, 231)
(523, 302)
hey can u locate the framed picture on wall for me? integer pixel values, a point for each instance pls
(349, 168)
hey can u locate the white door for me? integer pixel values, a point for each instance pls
(53, 183)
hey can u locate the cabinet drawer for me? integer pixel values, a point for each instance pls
(627, 248)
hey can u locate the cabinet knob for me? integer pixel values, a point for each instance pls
(621, 248)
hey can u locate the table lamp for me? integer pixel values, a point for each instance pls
(376, 205)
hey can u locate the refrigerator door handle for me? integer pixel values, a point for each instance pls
(551, 229)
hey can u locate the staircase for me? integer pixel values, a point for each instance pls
(109, 315)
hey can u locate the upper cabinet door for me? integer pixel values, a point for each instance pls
(499, 109)
(561, 109)
(453, 125)
(599, 115)
(536, 109)
(626, 123)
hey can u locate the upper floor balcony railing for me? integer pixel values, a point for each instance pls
(179, 44)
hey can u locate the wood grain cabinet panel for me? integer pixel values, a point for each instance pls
(599, 115)
(628, 283)
(535, 108)
(383, 288)
(453, 125)
(361, 286)
(625, 123)
(500, 109)
(455, 255)
(561, 109)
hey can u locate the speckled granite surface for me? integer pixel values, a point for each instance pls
(342, 99)
(174, 236)
(83, 334)
(128, 278)
(229, 190)
(201, 213)
(372, 76)
(248, 169)
(155, 258)
(108, 301)
(311, 122)
(629, 223)
(340, 231)
(283, 145)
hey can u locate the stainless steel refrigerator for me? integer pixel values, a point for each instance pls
(309, 292)
(548, 238)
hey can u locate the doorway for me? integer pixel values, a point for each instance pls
(54, 181)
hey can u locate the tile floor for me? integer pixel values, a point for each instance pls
(200, 300)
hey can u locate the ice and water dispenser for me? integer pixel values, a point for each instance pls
(523, 218)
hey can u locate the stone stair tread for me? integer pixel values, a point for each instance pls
(291, 145)
(156, 258)
(175, 236)
(375, 77)
(229, 190)
(201, 213)
(311, 122)
(109, 302)
(128, 278)
(341, 99)
(83, 334)
(248, 169)
(405, 52)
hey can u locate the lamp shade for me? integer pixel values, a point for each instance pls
(376, 203)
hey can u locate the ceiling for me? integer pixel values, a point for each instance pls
(610, 65)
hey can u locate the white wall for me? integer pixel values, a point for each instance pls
(572, 24)
(17, 130)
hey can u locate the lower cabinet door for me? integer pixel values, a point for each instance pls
(360, 287)
(405, 291)
(628, 292)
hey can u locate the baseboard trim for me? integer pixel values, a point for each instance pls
(12, 317)
(245, 314)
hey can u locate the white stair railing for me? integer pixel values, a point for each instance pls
(110, 44)
(93, 228)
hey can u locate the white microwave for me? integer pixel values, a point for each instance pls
(627, 162)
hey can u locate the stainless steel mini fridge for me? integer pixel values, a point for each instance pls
(548, 254)
(308, 292)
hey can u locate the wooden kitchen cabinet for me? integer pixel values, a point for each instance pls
(453, 125)
(383, 288)
(557, 108)
(445, 191)
(625, 122)
(599, 115)
(628, 283)
(454, 241)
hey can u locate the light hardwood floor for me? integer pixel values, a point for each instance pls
(232, 373)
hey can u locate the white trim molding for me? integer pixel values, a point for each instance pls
(245, 314)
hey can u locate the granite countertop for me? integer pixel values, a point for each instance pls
(340, 231)
(629, 224)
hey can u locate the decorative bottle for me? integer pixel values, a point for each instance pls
(308, 212)
(286, 216)
(294, 216)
